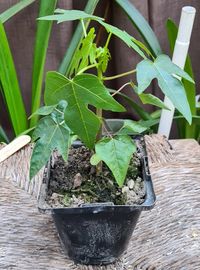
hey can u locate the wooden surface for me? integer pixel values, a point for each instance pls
(166, 238)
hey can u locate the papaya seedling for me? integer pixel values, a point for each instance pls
(68, 100)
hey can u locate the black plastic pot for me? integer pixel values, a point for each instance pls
(98, 233)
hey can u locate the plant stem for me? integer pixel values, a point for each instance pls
(84, 29)
(119, 75)
(122, 87)
(101, 27)
(99, 135)
(108, 40)
(86, 68)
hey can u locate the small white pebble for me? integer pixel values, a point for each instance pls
(131, 184)
(125, 189)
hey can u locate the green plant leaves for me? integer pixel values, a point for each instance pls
(142, 26)
(126, 38)
(69, 15)
(85, 54)
(45, 110)
(164, 71)
(153, 100)
(10, 86)
(75, 41)
(116, 153)
(79, 92)
(56, 136)
(132, 127)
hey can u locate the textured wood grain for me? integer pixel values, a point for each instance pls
(166, 238)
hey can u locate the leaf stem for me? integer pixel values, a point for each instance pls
(84, 29)
(86, 68)
(119, 75)
(122, 87)
(108, 40)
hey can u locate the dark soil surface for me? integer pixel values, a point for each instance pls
(75, 182)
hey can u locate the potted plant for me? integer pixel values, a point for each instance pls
(106, 169)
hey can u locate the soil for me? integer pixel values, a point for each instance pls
(75, 182)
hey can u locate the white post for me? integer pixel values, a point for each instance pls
(179, 58)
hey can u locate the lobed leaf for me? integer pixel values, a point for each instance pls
(56, 136)
(79, 92)
(165, 72)
(116, 153)
(69, 15)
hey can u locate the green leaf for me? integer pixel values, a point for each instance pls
(10, 86)
(80, 91)
(70, 15)
(116, 153)
(75, 41)
(164, 71)
(45, 110)
(132, 127)
(40, 51)
(56, 136)
(141, 25)
(153, 100)
(125, 37)
(149, 123)
(3, 136)
(10, 12)
(83, 54)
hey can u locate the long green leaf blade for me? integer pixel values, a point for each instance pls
(10, 86)
(75, 41)
(3, 136)
(40, 51)
(142, 26)
(9, 13)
